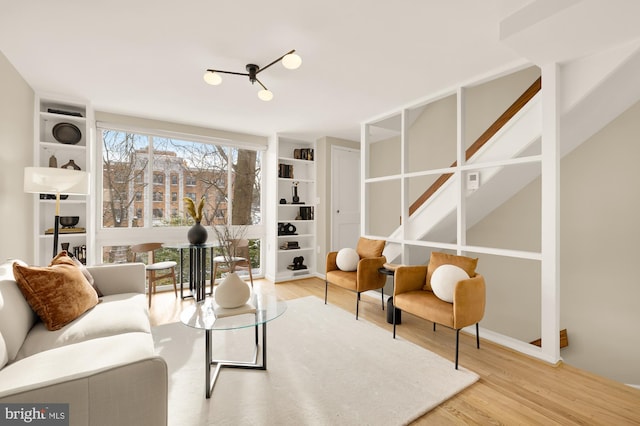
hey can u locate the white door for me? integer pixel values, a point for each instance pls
(345, 197)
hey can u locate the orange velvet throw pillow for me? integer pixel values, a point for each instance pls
(58, 293)
(468, 264)
(370, 248)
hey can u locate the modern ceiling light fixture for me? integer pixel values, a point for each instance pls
(289, 60)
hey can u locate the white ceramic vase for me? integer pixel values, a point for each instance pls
(232, 292)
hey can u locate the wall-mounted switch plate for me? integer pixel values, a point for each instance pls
(473, 181)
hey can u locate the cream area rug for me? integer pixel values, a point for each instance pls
(323, 368)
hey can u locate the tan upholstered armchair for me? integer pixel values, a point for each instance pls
(365, 277)
(413, 294)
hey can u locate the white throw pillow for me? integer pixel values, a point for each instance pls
(347, 259)
(444, 280)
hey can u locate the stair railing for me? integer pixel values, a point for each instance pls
(494, 128)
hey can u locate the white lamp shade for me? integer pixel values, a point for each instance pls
(291, 61)
(52, 180)
(265, 95)
(212, 78)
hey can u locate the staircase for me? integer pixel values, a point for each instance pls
(512, 135)
(597, 89)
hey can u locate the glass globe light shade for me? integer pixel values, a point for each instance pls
(265, 95)
(291, 61)
(212, 78)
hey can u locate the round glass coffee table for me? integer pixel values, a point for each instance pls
(207, 316)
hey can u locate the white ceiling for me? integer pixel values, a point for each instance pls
(360, 58)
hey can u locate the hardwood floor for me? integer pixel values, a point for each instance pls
(513, 388)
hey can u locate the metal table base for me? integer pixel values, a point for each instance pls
(197, 270)
(210, 381)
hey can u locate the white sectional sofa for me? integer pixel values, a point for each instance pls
(102, 363)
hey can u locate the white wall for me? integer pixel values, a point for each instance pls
(16, 147)
(600, 230)
(182, 129)
(513, 285)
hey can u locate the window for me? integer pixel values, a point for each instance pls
(134, 194)
(218, 173)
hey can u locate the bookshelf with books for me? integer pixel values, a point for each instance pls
(293, 237)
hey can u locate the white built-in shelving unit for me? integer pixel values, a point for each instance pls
(292, 233)
(50, 111)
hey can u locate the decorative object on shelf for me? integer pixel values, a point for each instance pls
(298, 264)
(63, 112)
(69, 221)
(53, 161)
(285, 171)
(306, 213)
(53, 196)
(295, 199)
(71, 165)
(290, 245)
(48, 179)
(283, 201)
(286, 229)
(303, 154)
(290, 61)
(232, 292)
(197, 233)
(67, 133)
(80, 253)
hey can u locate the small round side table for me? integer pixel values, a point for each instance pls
(390, 307)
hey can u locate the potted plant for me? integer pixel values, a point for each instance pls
(197, 233)
(230, 238)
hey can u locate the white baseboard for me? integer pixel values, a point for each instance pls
(512, 343)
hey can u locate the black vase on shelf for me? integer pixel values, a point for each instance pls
(197, 234)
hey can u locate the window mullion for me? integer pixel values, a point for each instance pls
(148, 189)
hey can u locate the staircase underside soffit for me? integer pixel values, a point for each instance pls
(558, 31)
